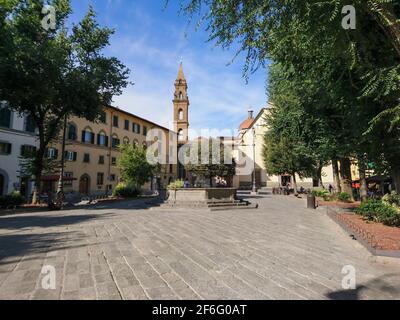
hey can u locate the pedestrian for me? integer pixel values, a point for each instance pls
(186, 184)
(330, 189)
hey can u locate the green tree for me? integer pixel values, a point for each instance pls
(52, 74)
(209, 158)
(134, 165)
(346, 81)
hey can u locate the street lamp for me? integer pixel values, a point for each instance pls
(254, 160)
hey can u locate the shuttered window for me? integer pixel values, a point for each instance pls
(5, 148)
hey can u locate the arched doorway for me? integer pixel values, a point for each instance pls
(84, 184)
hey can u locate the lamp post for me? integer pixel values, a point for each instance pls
(60, 188)
(254, 190)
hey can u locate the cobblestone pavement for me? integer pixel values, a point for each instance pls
(124, 251)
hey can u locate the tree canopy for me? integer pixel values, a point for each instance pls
(336, 90)
(53, 73)
(134, 165)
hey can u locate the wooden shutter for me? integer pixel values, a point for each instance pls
(83, 135)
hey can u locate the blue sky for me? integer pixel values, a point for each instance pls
(152, 41)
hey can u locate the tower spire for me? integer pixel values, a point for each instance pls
(181, 107)
(181, 75)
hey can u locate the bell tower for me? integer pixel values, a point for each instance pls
(181, 107)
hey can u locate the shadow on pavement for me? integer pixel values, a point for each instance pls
(33, 244)
(46, 221)
(384, 284)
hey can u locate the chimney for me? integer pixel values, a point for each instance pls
(251, 114)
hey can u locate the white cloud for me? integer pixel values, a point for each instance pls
(218, 94)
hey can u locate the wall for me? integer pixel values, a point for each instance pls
(10, 164)
(81, 169)
(246, 140)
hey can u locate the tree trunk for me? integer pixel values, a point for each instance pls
(396, 179)
(38, 175)
(345, 176)
(295, 184)
(363, 182)
(336, 176)
(319, 176)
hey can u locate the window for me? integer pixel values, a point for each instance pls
(5, 148)
(115, 121)
(100, 179)
(70, 156)
(113, 161)
(69, 178)
(113, 178)
(180, 114)
(103, 117)
(29, 124)
(5, 117)
(181, 137)
(135, 143)
(27, 151)
(102, 139)
(136, 128)
(101, 159)
(52, 153)
(72, 132)
(145, 131)
(87, 136)
(126, 140)
(86, 158)
(127, 123)
(115, 142)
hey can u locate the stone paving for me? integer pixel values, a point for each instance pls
(126, 251)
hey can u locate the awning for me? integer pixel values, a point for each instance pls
(56, 178)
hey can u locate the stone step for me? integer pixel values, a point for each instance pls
(231, 204)
(246, 207)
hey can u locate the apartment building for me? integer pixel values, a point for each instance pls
(17, 136)
(91, 153)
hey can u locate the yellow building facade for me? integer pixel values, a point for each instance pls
(91, 153)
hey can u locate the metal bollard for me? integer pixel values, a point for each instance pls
(311, 202)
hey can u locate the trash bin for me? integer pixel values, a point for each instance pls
(311, 202)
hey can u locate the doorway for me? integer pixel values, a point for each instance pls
(286, 180)
(84, 184)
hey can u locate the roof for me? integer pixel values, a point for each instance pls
(247, 124)
(140, 118)
(181, 75)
